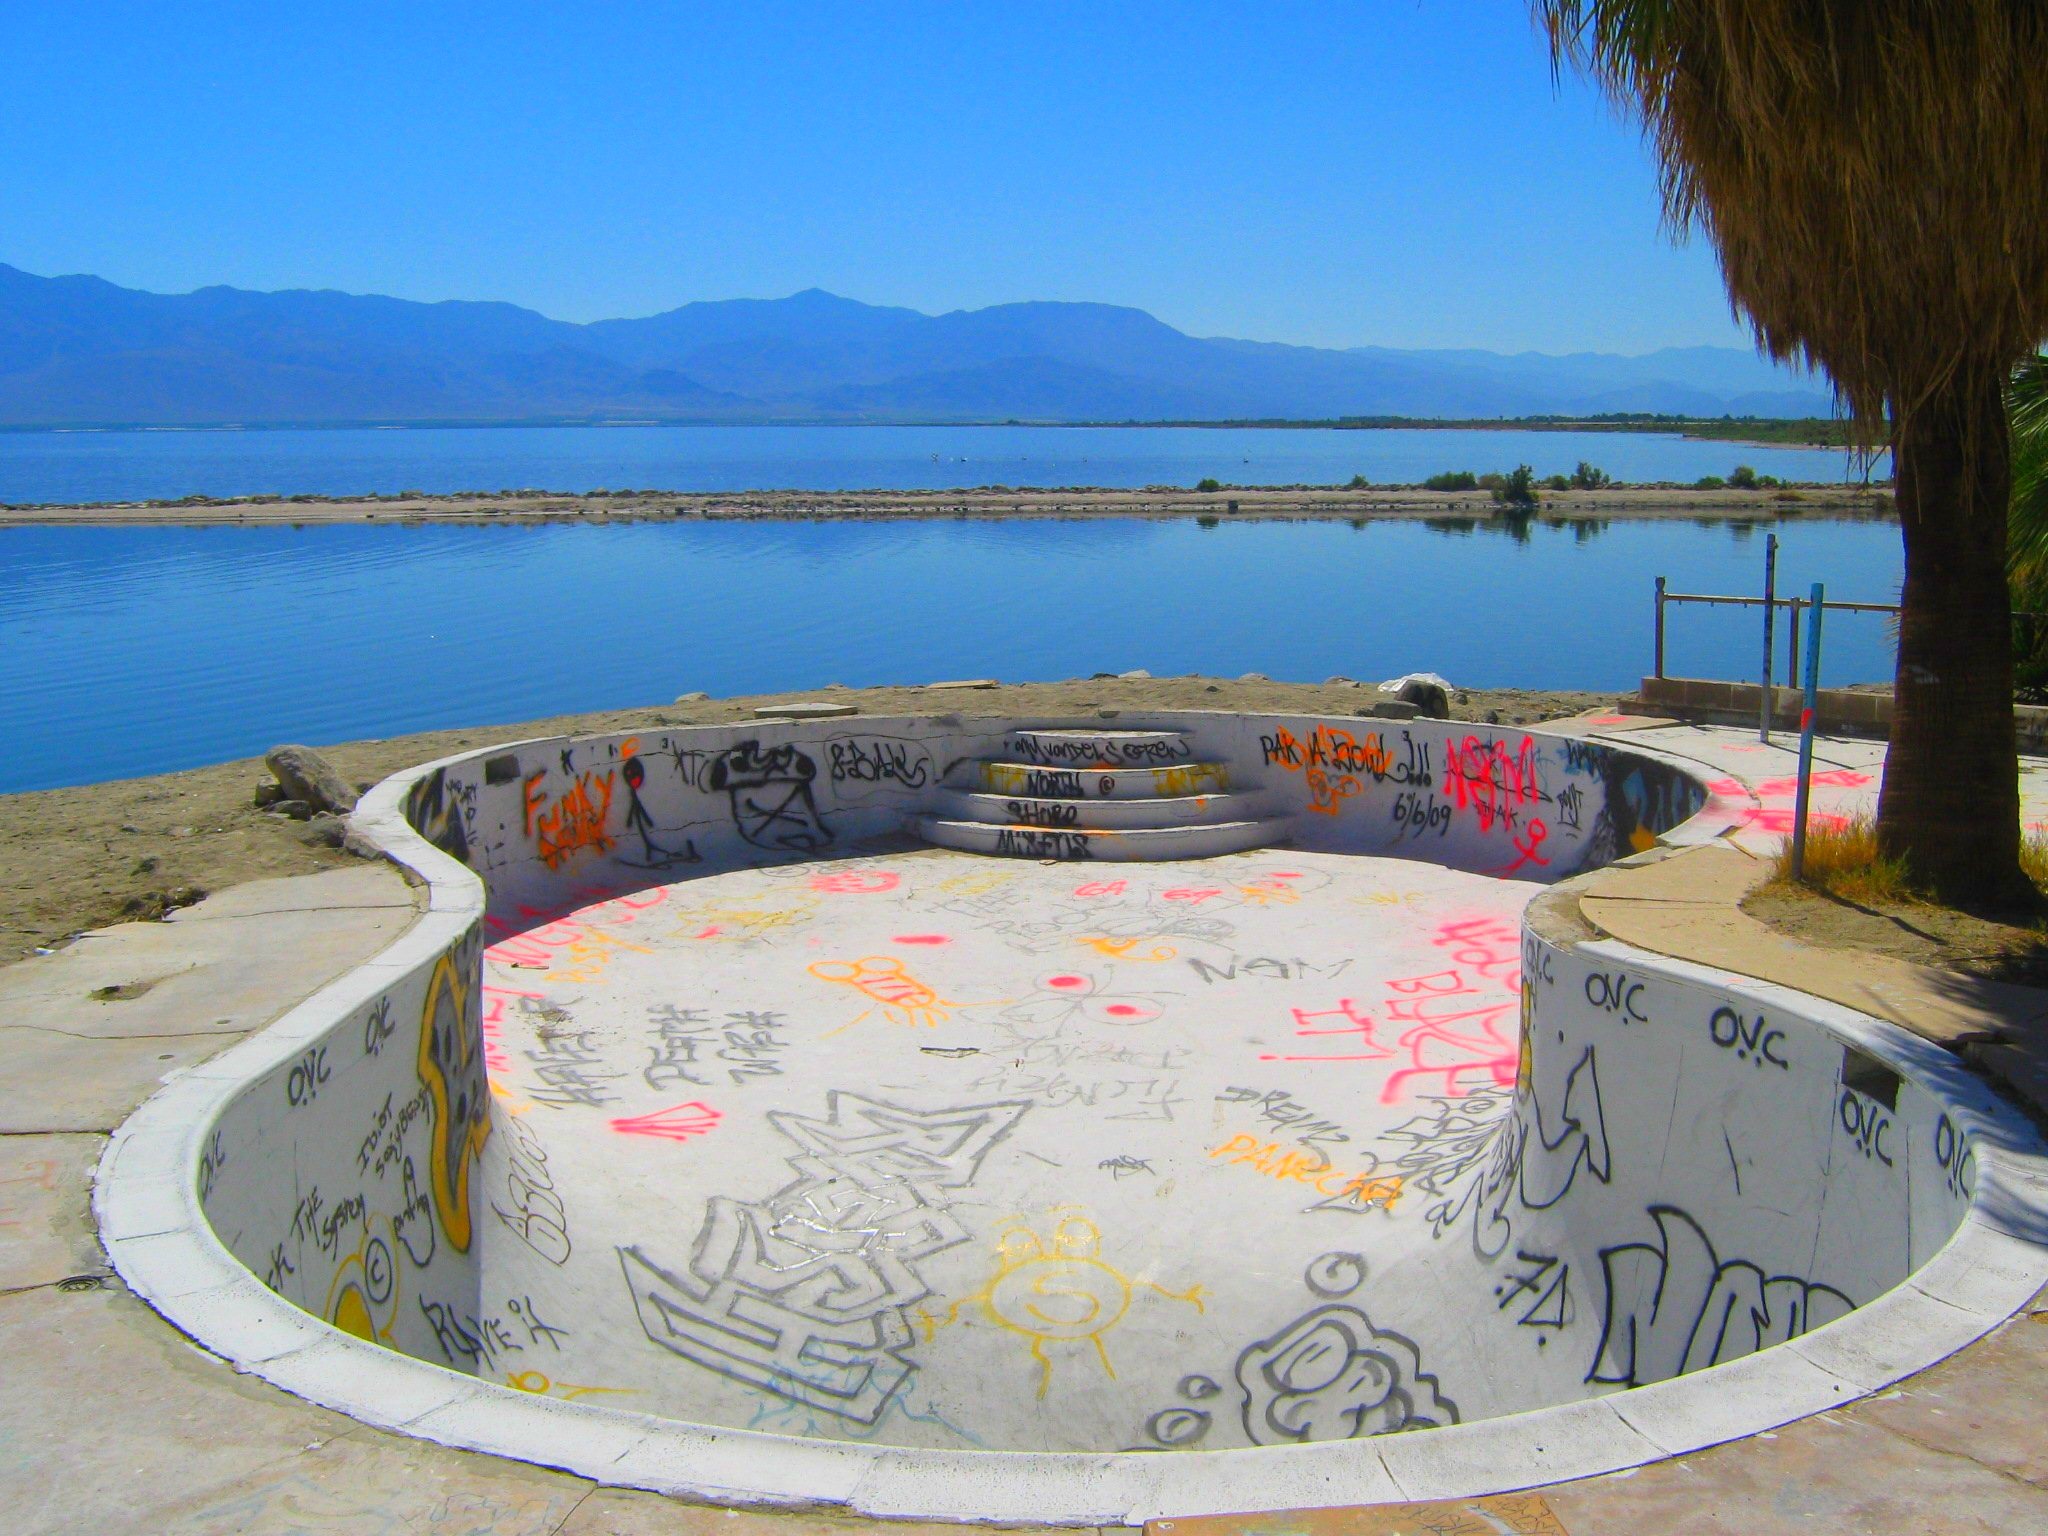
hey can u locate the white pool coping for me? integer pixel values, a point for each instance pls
(146, 1201)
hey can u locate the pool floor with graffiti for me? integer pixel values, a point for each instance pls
(939, 1150)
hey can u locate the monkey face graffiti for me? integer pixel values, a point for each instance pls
(451, 1067)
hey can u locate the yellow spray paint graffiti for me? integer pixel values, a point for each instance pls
(886, 982)
(1522, 1079)
(363, 1297)
(1128, 949)
(1298, 1165)
(742, 924)
(451, 1066)
(539, 1384)
(1055, 1289)
(1191, 779)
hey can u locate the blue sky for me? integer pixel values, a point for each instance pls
(1393, 172)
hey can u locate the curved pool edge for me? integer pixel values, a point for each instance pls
(147, 1204)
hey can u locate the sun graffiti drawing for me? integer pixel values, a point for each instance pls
(886, 983)
(1055, 1289)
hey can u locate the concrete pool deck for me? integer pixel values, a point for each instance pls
(113, 1423)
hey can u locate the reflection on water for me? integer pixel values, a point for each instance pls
(128, 650)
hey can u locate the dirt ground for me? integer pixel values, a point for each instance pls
(1941, 937)
(1239, 503)
(96, 854)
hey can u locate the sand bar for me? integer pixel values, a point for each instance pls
(1834, 502)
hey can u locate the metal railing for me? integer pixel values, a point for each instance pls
(1794, 606)
(2031, 629)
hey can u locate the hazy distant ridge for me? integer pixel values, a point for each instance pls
(79, 350)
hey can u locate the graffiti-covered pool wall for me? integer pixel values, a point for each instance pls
(735, 1104)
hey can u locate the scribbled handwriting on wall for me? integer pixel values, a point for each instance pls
(533, 1211)
(875, 762)
(1332, 761)
(1280, 1108)
(807, 1293)
(1674, 1305)
(1499, 785)
(1462, 1154)
(1039, 843)
(1078, 750)
(1350, 1021)
(1356, 1190)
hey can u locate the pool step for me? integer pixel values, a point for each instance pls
(1038, 782)
(1097, 815)
(1104, 845)
(1066, 747)
(1060, 792)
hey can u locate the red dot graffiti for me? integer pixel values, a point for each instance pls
(856, 882)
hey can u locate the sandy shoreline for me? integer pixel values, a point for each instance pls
(82, 857)
(1390, 503)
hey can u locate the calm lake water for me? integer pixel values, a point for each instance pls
(136, 466)
(134, 651)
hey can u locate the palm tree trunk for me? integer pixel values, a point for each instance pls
(1950, 802)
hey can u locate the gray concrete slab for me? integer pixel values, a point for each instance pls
(45, 1219)
(109, 1417)
(220, 967)
(89, 1031)
(368, 1482)
(58, 1082)
(1831, 1473)
(619, 1512)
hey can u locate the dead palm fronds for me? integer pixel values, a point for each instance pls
(1874, 177)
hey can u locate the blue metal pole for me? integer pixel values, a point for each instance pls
(1806, 735)
(1763, 718)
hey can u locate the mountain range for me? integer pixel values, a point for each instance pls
(83, 351)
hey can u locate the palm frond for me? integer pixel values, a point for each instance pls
(1865, 169)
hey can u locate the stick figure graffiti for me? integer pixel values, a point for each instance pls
(770, 788)
(640, 824)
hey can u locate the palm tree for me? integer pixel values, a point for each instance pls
(2026, 412)
(1873, 175)
(2026, 551)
